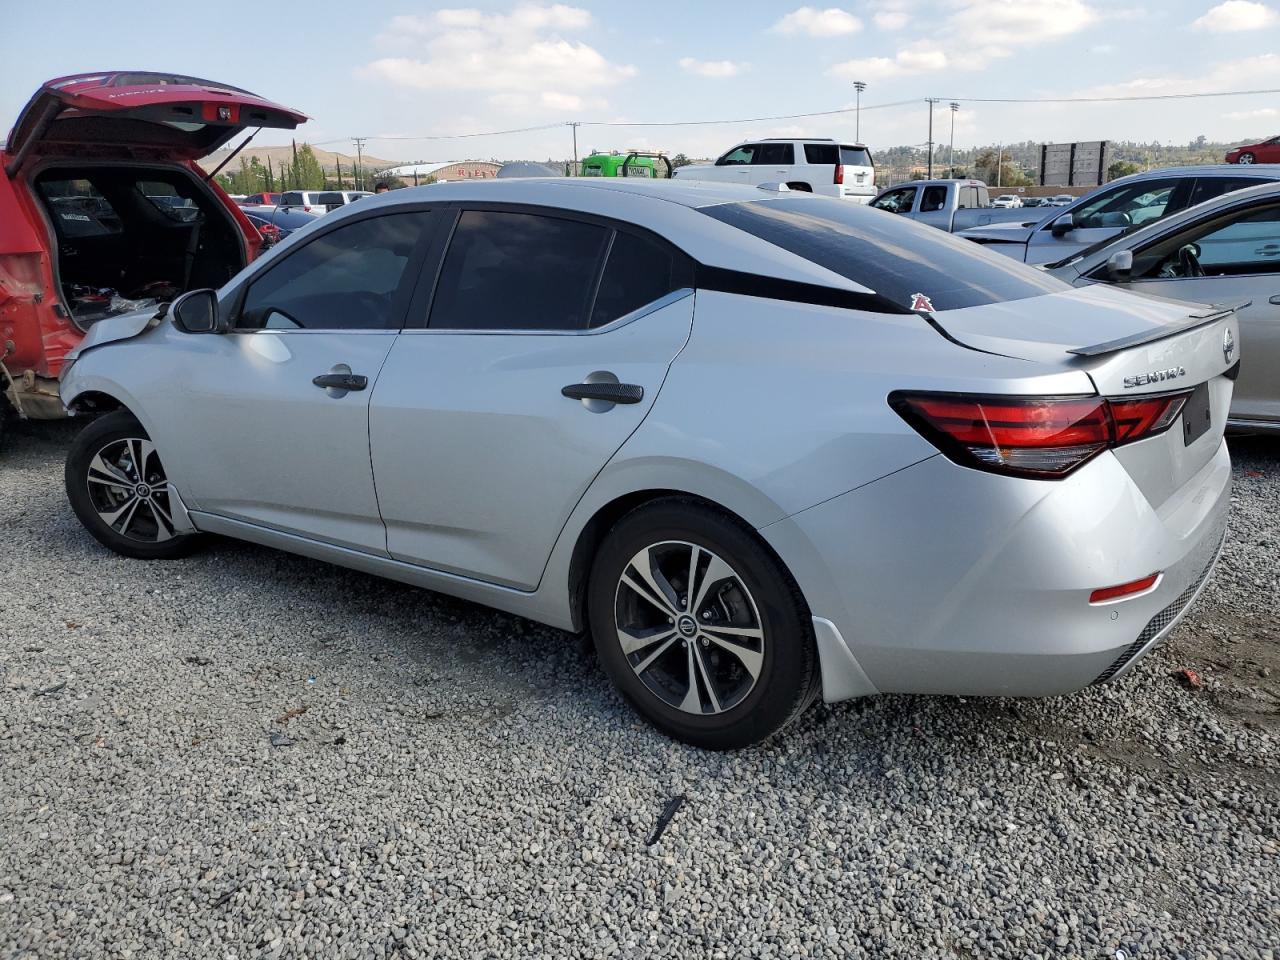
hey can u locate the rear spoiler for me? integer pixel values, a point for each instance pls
(1205, 317)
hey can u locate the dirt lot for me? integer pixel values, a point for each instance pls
(248, 754)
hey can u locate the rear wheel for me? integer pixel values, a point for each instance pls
(1247, 158)
(700, 627)
(118, 488)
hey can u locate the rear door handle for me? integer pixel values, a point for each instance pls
(1275, 300)
(606, 391)
(341, 381)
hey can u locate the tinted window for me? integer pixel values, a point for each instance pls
(1207, 188)
(896, 258)
(345, 279)
(855, 156)
(826, 153)
(739, 156)
(291, 199)
(335, 199)
(775, 153)
(637, 272)
(935, 198)
(518, 271)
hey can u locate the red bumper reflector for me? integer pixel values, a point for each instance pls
(1104, 594)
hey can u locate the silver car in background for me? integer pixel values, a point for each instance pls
(1224, 251)
(764, 446)
(1114, 208)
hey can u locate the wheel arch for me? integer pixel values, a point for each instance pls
(800, 186)
(90, 402)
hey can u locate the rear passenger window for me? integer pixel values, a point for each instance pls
(827, 153)
(771, 154)
(345, 279)
(638, 272)
(1207, 188)
(518, 271)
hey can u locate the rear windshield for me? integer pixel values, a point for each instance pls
(855, 156)
(895, 257)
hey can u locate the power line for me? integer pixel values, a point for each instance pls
(1145, 96)
(785, 116)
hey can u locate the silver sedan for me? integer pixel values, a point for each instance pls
(1226, 250)
(763, 446)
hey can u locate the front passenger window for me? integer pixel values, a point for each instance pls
(345, 279)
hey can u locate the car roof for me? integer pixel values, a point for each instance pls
(1260, 170)
(669, 208)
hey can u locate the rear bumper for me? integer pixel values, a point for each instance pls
(944, 580)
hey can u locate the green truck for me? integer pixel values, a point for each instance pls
(634, 163)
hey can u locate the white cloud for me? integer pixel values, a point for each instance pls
(712, 68)
(521, 59)
(1218, 78)
(1235, 16)
(905, 63)
(831, 22)
(891, 19)
(1260, 114)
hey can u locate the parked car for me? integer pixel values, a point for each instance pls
(897, 463)
(104, 209)
(843, 170)
(1120, 205)
(282, 220)
(1268, 151)
(1007, 201)
(260, 200)
(1226, 250)
(1060, 200)
(271, 234)
(319, 201)
(950, 205)
(1034, 201)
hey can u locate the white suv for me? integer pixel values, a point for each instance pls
(815, 166)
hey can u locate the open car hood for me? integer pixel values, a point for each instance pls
(184, 117)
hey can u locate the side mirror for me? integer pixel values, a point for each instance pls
(1064, 225)
(1120, 266)
(196, 312)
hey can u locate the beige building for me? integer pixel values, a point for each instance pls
(445, 172)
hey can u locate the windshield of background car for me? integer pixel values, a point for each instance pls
(897, 258)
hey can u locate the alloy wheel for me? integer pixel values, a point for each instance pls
(689, 627)
(129, 491)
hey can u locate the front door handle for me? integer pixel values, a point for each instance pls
(1275, 300)
(609, 392)
(341, 381)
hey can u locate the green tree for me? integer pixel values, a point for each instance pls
(1009, 174)
(680, 160)
(1122, 168)
(306, 172)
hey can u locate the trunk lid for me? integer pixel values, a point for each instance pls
(1130, 346)
(184, 118)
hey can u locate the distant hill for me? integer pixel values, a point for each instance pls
(282, 155)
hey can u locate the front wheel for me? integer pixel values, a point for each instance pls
(700, 627)
(118, 489)
(1246, 158)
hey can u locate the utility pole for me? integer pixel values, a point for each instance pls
(999, 163)
(359, 142)
(858, 87)
(575, 124)
(932, 101)
(951, 153)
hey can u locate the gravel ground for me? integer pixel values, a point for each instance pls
(247, 754)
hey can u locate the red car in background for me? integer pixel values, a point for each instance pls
(1268, 151)
(104, 209)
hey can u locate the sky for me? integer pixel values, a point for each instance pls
(394, 70)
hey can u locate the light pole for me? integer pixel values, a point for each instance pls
(931, 102)
(858, 87)
(951, 152)
(358, 179)
(574, 124)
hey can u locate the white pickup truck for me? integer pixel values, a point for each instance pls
(949, 205)
(842, 170)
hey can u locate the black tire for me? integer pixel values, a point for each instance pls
(147, 538)
(787, 680)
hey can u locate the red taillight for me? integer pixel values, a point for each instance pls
(1042, 437)
(1123, 590)
(839, 173)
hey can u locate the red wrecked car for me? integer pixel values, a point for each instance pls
(104, 210)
